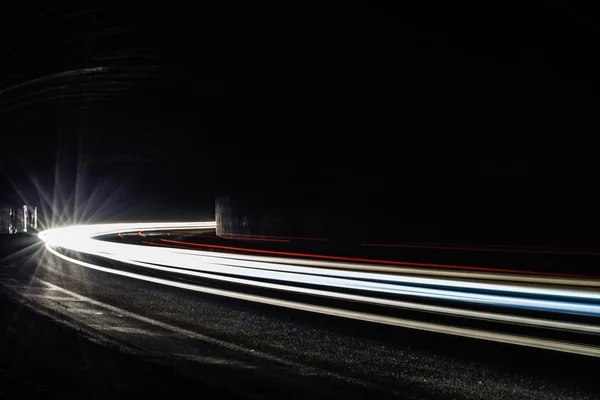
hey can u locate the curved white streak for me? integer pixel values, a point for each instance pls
(81, 239)
(69, 234)
(370, 276)
(106, 229)
(384, 302)
(427, 271)
(464, 332)
(362, 285)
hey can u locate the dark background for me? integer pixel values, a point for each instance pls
(433, 114)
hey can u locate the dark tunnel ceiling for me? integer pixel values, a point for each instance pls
(221, 91)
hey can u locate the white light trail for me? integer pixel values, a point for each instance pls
(246, 269)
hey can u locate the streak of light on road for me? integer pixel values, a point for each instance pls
(376, 261)
(311, 277)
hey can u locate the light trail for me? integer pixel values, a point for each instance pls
(286, 274)
(376, 261)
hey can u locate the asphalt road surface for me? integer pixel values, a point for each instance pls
(259, 321)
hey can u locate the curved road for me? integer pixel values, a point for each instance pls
(296, 324)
